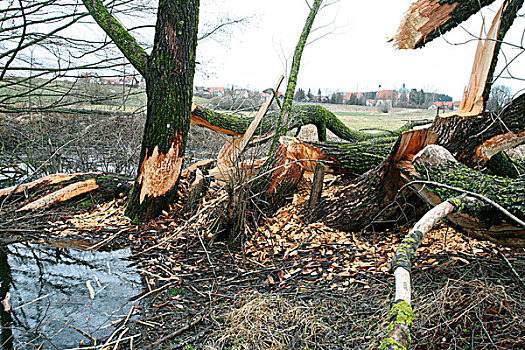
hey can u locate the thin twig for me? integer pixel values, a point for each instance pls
(192, 324)
(516, 274)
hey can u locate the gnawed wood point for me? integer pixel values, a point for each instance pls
(159, 173)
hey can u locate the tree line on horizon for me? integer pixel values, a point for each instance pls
(414, 98)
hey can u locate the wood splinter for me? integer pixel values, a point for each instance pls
(317, 185)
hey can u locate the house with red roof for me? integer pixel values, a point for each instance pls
(446, 105)
(387, 95)
(216, 91)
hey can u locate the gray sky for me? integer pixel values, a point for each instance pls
(356, 57)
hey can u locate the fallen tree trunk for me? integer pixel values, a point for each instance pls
(300, 116)
(489, 207)
(498, 216)
(349, 158)
(472, 140)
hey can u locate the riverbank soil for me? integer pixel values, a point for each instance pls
(291, 284)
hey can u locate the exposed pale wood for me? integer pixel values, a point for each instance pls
(473, 103)
(62, 195)
(297, 149)
(499, 143)
(422, 18)
(196, 120)
(403, 288)
(246, 169)
(413, 141)
(401, 313)
(258, 118)
(202, 164)
(317, 185)
(232, 149)
(49, 179)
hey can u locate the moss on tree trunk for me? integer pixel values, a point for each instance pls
(169, 86)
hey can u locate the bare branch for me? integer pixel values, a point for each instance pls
(120, 36)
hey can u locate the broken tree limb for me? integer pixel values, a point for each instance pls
(473, 102)
(428, 19)
(474, 140)
(401, 313)
(58, 188)
(370, 197)
(350, 158)
(49, 180)
(62, 195)
(233, 148)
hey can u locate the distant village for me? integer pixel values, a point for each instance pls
(403, 97)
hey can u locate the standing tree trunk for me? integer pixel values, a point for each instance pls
(169, 86)
(168, 72)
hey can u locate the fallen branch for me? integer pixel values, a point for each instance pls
(191, 324)
(401, 313)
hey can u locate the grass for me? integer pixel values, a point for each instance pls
(358, 117)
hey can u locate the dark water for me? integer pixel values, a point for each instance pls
(50, 302)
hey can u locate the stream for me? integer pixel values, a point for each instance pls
(62, 298)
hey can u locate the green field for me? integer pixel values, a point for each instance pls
(359, 118)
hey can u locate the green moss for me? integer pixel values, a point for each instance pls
(403, 313)
(389, 341)
(507, 192)
(86, 204)
(173, 292)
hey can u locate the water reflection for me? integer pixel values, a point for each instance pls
(51, 306)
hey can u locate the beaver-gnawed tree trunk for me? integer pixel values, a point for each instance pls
(169, 88)
(168, 72)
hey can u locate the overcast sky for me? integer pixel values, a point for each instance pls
(356, 57)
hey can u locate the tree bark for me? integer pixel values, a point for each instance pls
(168, 72)
(496, 213)
(317, 185)
(427, 20)
(474, 210)
(169, 86)
(474, 140)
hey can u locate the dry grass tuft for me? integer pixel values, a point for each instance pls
(270, 321)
